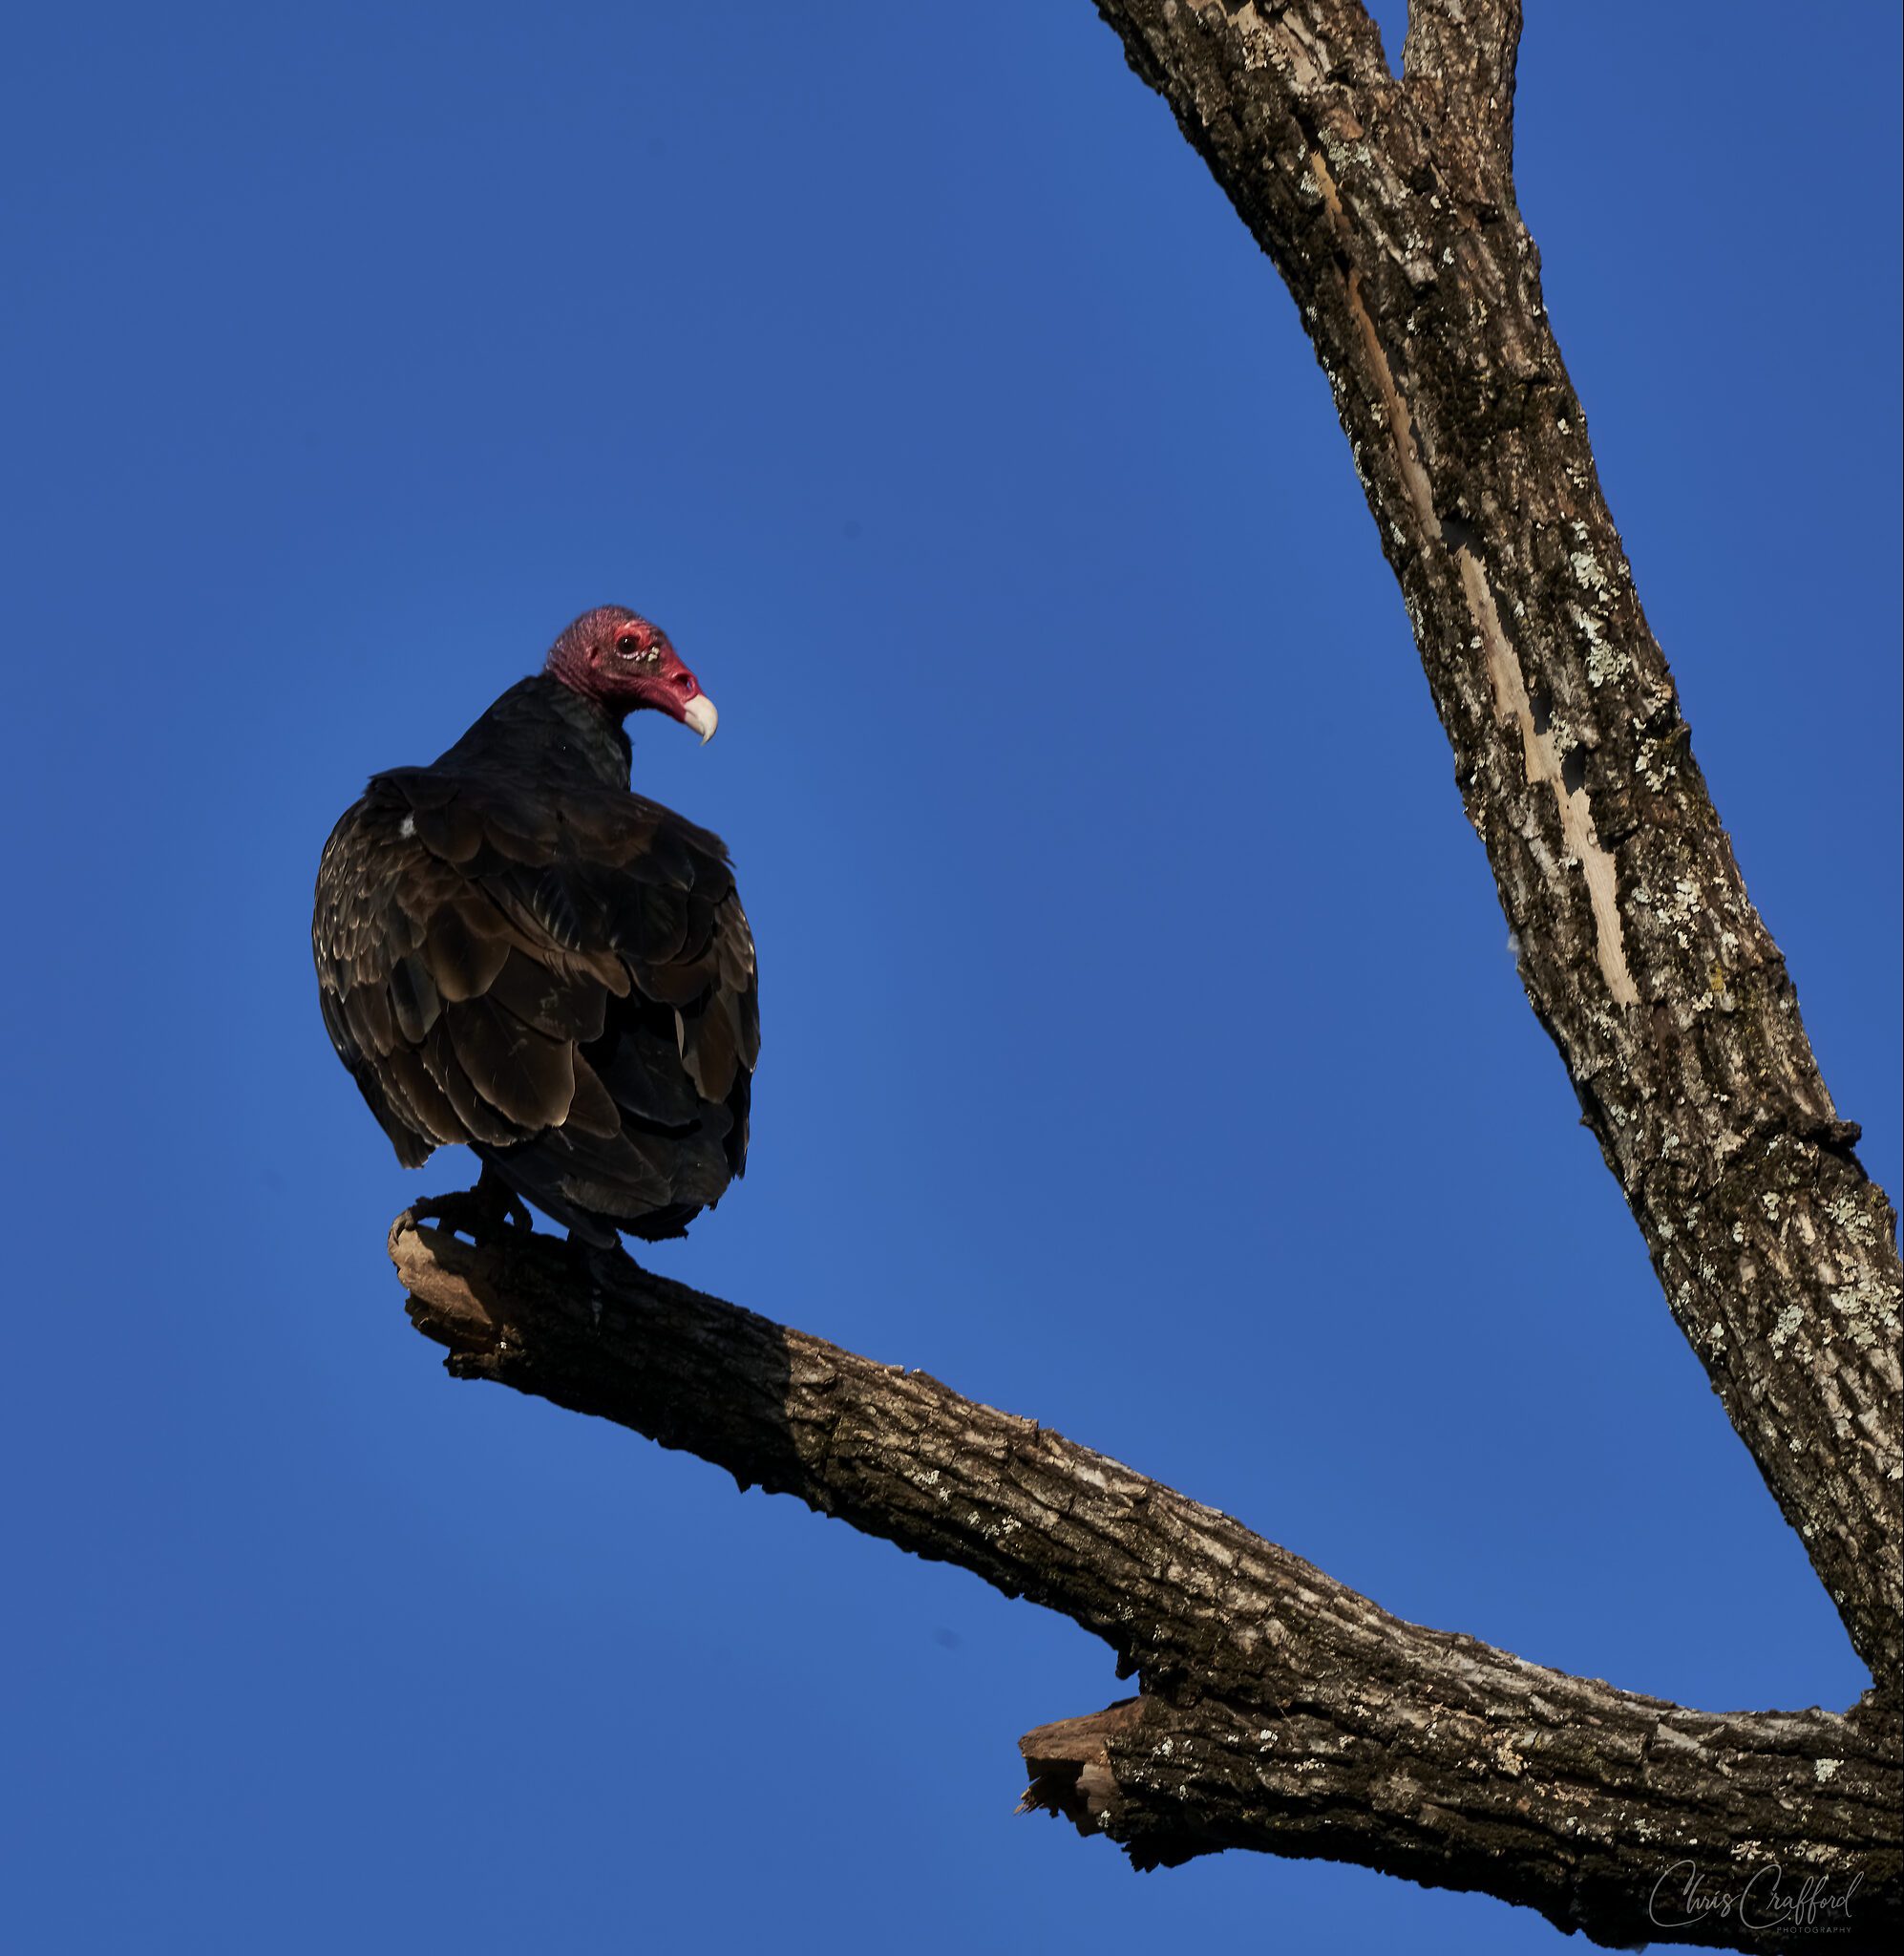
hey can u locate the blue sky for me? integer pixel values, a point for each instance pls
(1143, 1053)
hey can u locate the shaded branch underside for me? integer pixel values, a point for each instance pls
(1279, 1710)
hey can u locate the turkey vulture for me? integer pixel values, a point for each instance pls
(515, 951)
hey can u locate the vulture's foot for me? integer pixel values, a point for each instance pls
(488, 1213)
(609, 1268)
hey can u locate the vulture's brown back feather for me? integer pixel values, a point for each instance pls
(515, 952)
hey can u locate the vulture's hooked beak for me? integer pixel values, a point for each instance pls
(700, 715)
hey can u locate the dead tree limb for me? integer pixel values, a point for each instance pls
(1388, 209)
(1279, 1711)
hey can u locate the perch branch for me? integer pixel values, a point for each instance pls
(1277, 1708)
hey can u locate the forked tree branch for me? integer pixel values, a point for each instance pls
(1279, 1711)
(1388, 209)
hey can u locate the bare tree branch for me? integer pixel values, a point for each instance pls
(1397, 233)
(1280, 1710)
(1459, 64)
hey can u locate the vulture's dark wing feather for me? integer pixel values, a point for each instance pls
(564, 980)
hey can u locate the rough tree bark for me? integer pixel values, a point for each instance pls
(1277, 1709)
(1388, 209)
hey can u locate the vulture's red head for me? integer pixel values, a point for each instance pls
(615, 657)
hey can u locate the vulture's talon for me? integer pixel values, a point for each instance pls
(487, 1213)
(608, 1269)
(451, 1212)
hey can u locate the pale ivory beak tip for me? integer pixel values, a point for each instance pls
(700, 715)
